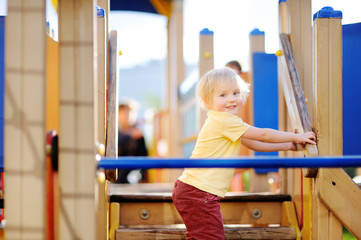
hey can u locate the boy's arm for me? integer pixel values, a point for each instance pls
(268, 147)
(275, 136)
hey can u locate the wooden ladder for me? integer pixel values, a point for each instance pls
(147, 212)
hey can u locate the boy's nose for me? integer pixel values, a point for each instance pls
(231, 99)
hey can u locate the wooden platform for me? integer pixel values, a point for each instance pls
(232, 233)
(146, 211)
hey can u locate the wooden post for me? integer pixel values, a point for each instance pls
(206, 63)
(24, 138)
(284, 27)
(258, 182)
(112, 106)
(173, 120)
(294, 20)
(78, 119)
(102, 40)
(327, 118)
(301, 39)
(102, 50)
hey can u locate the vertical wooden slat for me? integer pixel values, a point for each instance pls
(206, 63)
(283, 26)
(173, 121)
(24, 153)
(327, 99)
(102, 49)
(258, 182)
(112, 105)
(78, 124)
(102, 37)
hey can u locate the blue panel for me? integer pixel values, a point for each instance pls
(2, 80)
(134, 5)
(351, 89)
(265, 96)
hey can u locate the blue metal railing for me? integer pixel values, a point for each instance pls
(241, 162)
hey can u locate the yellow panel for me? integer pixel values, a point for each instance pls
(52, 84)
(163, 7)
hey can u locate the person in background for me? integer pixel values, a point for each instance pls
(130, 143)
(236, 66)
(240, 181)
(197, 192)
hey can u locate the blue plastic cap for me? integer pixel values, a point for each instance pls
(206, 31)
(327, 12)
(100, 12)
(281, 1)
(256, 31)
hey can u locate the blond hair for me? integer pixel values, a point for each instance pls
(212, 79)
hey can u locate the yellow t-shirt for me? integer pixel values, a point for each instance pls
(219, 137)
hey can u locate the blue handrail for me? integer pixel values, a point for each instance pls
(241, 162)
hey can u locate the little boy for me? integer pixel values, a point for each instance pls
(197, 191)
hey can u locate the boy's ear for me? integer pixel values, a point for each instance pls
(206, 104)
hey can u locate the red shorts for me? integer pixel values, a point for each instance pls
(200, 211)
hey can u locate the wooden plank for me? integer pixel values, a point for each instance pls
(232, 233)
(332, 187)
(244, 213)
(158, 234)
(78, 129)
(113, 220)
(289, 218)
(206, 63)
(103, 207)
(233, 213)
(294, 96)
(24, 120)
(167, 197)
(296, 85)
(342, 196)
(261, 233)
(335, 227)
(173, 122)
(335, 90)
(256, 44)
(102, 41)
(284, 19)
(112, 110)
(158, 214)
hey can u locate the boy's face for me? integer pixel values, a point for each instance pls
(227, 99)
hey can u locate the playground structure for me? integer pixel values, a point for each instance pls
(70, 86)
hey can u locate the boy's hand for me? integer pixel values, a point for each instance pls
(308, 137)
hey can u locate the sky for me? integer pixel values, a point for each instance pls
(143, 36)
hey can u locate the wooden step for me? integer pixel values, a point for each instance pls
(149, 207)
(233, 232)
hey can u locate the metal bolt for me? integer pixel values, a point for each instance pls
(256, 213)
(144, 214)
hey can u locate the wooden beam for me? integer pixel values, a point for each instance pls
(24, 120)
(78, 114)
(342, 196)
(161, 213)
(175, 78)
(289, 217)
(327, 109)
(113, 220)
(206, 63)
(294, 97)
(231, 232)
(112, 106)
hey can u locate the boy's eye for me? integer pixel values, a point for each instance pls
(223, 95)
(236, 93)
